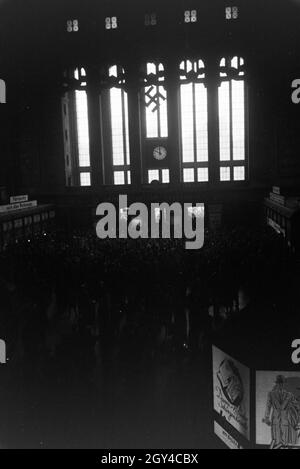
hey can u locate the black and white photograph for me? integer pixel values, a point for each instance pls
(149, 228)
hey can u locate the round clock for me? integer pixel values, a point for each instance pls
(159, 153)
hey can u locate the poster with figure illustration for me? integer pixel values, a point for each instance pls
(231, 381)
(278, 409)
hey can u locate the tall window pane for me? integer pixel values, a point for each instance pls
(201, 122)
(224, 121)
(119, 128)
(232, 120)
(82, 128)
(238, 120)
(187, 123)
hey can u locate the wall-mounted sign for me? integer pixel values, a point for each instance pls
(231, 382)
(18, 206)
(278, 409)
(16, 199)
(227, 439)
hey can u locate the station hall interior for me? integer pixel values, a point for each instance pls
(112, 343)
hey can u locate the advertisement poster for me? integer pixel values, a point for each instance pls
(278, 409)
(231, 381)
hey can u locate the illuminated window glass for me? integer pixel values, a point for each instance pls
(225, 173)
(159, 175)
(72, 26)
(85, 179)
(239, 173)
(118, 102)
(82, 127)
(231, 13)
(111, 22)
(150, 19)
(193, 115)
(153, 175)
(188, 175)
(232, 143)
(165, 176)
(155, 94)
(190, 16)
(119, 177)
(202, 174)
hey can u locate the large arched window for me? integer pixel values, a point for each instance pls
(232, 128)
(193, 118)
(118, 106)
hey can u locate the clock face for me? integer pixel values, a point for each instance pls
(159, 153)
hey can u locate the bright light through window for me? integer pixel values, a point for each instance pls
(119, 126)
(232, 119)
(187, 123)
(85, 179)
(119, 178)
(159, 175)
(156, 103)
(194, 125)
(224, 121)
(238, 119)
(188, 175)
(83, 141)
(225, 173)
(119, 130)
(153, 175)
(82, 128)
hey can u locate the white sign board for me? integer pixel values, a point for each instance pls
(16, 199)
(19, 206)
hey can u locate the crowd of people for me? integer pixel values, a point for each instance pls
(120, 316)
(151, 292)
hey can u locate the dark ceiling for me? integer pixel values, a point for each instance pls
(33, 32)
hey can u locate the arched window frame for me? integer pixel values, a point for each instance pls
(232, 115)
(194, 121)
(115, 116)
(76, 128)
